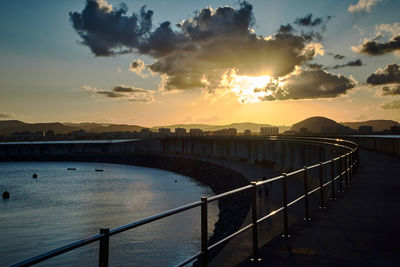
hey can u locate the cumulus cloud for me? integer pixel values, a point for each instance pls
(390, 74)
(4, 115)
(308, 84)
(395, 104)
(391, 91)
(124, 92)
(363, 6)
(107, 31)
(354, 63)
(200, 50)
(373, 47)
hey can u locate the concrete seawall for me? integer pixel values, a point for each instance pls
(191, 156)
(387, 145)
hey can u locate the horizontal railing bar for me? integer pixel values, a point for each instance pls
(337, 177)
(272, 213)
(230, 236)
(314, 190)
(216, 197)
(295, 172)
(296, 200)
(195, 256)
(325, 184)
(164, 214)
(58, 251)
(269, 180)
(313, 166)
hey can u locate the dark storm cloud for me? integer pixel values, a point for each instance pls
(355, 63)
(106, 31)
(198, 51)
(391, 105)
(127, 89)
(390, 74)
(391, 91)
(310, 84)
(374, 48)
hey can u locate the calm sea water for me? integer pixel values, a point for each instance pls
(62, 206)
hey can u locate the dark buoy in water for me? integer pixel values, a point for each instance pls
(71, 169)
(176, 181)
(6, 194)
(99, 170)
(34, 175)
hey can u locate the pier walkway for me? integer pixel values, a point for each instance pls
(360, 228)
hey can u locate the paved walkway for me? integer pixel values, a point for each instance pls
(360, 228)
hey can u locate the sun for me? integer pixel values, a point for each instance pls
(251, 89)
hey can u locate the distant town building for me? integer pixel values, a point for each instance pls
(164, 131)
(269, 131)
(327, 130)
(226, 132)
(365, 129)
(180, 131)
(395, 129)
(195, 132)
(49, 133)
(304, 131)
(247, 132)
(289, 132)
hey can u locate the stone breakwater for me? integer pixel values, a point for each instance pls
(232, 209)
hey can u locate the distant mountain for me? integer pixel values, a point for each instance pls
(9, 127)
(115, 128)
(315, 124)
(378, 125)
(254, 127)
(14, 126)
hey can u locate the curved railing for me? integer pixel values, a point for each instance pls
(341, 168)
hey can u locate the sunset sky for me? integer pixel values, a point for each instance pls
(216, 62)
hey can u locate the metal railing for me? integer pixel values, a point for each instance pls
(346, 165)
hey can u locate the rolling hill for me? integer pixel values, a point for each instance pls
(314, 124)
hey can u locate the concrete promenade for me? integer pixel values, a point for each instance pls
(360, 228)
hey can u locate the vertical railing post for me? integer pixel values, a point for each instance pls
(306, 213)
(321, 186)
(351, 166)
(204, 232)
(340, 171)
(347, 163)
(285, 207)
(104, 247)
(254, 221)
(332, 179)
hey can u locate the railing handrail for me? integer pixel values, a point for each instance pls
(123, 228)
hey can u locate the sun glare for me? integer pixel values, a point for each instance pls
(251, 89)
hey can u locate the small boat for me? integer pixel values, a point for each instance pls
(99, 170)
(71, 169)
(6, 194)
(34, 175)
